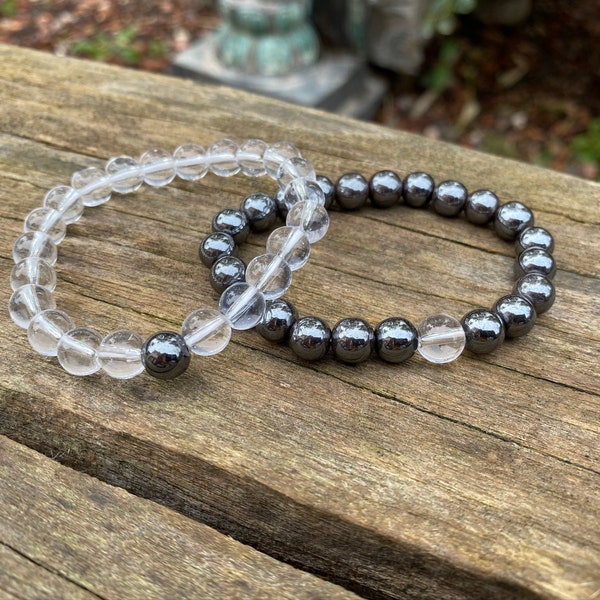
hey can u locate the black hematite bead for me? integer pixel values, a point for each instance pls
(535, 260)
(216, 245)
(517, 314)
(396, 340)
(481, 207)
(226, 271)
(260, 210)
(385, 189)
(328, 189)
(234, 222)
(165, 355)
(417, 189)
(535, 237)
(537, 289)
(277, 321)
(484, 330)
(511, 219)
(310, 338)
(352, 340)
(351, 191)
(449, 197)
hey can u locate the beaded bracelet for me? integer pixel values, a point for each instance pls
(439, 338)
(124, 354)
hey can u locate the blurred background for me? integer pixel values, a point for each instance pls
(517, 78)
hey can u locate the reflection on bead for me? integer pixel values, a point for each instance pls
(327, 188)
(351, 191)
(243, 305)
(294, 168)
(77, 351)
(226, 271)
(385, 189)
(484, 331)
(190, 162)
(441, 339)
(511, 219)
(535, 237)
(276, 154)
(165, 355)
(125, 174)
(481, 207)
(27, 302)
(417, 189)
(517, 314)
(277, 320)
(270, 274)
(396, 340)
(223, 158)
(537, 289)
(46, 329)
(33, 270)
(92, 176)
(260, 210)
(313, 219)
(250, 157)
(65, 200)
(120, 354)
(310, 338)
(292, 244)
(206, 331)
(352, 340)
(35, 244)
(234, 222)
(47, 220)
(216, 245)
(158, 165)
(535, 260)
(449, 198)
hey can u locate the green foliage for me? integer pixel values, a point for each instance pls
(103, 47)
(441, 74)
(586, 146)
(440, 16)
(8, 8)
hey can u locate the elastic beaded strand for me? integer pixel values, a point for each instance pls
(123, 354)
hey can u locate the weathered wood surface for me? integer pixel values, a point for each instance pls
(478, 479)
(66, 535)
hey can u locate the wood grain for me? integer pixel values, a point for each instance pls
(477, 479)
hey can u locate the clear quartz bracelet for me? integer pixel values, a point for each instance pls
(124, 354)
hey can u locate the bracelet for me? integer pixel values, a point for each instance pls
(439, 338)
(123, 354)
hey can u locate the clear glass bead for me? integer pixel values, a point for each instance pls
(190, 162)
(47, 220)
(222, 156)
(270, 274)
(120, 354)
(77, 351)
(303, 190)
(243, 305)
(295, 168)
(206, 331)
(27, 302)
(35, 243)
(313, 218)
(33, 270)
(125, 174)
(46, 329)
(276, 154)
(158, 167)
(250, 157)
(292, 244)
(99, 189)
(441, 339)
(65, 200)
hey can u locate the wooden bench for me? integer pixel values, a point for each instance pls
(255, 475)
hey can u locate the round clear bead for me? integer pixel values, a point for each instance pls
(190, 162)
(270, 274)
(292, 244)
(206, 331)
(47, 220)
(250, 157)
(46, 329)
(36, 244)
(29, 301)
(441, 339)
(303, 190)
(222, 157)
(33, 270)
(66, 201)
(276, 154)
(295, 168)
(95, 179)
(158, 167)
(77, 351)
(313, 218)
(243, 305)
(120, 354)
(125, 174)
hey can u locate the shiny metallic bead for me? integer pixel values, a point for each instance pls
(511, 219)
(535, 260)
(517, 314)
(385, 189)
(234, 222)
(216, 245)
(449, 198)
(351, 191)
(352, 340)
(165, 355)
(484, 330)
(417, 189)
(277, 320)
(396, 340)
(538, 289)
(328, 189)
(481, 207)
(226, 271)
(281, 203)
(535, 237)
(260, 210)
(310, 338)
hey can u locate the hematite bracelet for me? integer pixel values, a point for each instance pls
(439, 338)
(124, 354)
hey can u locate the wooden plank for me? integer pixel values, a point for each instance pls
(66, 535)
(477, 479)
